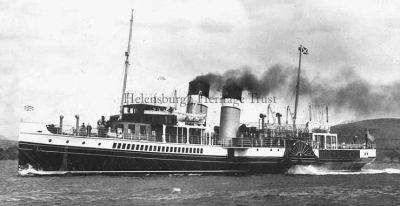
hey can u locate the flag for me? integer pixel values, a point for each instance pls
(303, 50)
(370, 136)
(28, 108)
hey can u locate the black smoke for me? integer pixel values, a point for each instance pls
(269, 80)
(345, 90)
(354, 93)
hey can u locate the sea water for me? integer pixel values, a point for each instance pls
(377, 184)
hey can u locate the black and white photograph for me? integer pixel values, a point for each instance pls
(200, 102)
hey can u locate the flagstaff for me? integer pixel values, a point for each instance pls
(302, 50)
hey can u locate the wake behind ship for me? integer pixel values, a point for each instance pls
(145, 138)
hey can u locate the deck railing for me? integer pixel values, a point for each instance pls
(264, 140)
(252, 142)
(356, 146)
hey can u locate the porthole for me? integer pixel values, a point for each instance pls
(50, 140)
(270, 150)
(99, 144)
(67, 141)
(83, 142)
(278, 149)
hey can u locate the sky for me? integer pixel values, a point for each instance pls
(67, 57)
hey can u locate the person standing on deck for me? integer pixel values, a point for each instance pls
(82, 129)
(89, 129)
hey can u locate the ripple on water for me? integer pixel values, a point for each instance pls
(377, 185)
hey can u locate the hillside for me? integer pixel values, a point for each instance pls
(386, 132)
(8, 149)
(5, 142)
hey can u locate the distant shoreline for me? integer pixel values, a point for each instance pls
(8, 150)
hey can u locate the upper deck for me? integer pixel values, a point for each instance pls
(272, 138)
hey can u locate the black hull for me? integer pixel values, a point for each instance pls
(348, 160)
(86, 160)
(78, 160)
(345, 165)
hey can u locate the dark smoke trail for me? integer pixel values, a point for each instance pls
(269, 81)
(344, 91)
(356, 94)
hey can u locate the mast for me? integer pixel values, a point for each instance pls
(327, 116)
(302, 50)
(176, 99)
(126, 66)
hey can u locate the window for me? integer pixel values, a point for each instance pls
(197, 150)
(141, 147)
(201, 150)
(128, 146)
(143, 130)
(162, 149)
(187, 150)
(167, 150)
(179, 149)
(133, 147)
(146, 147)
(190, 150)
(151, 148)
(123, 146)
(137, 147)
(114, 145)
(119, 146)
(119, 127)
(131, 128)
(174, 149)
(158, 148)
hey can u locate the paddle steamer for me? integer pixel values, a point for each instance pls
(146, 138)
